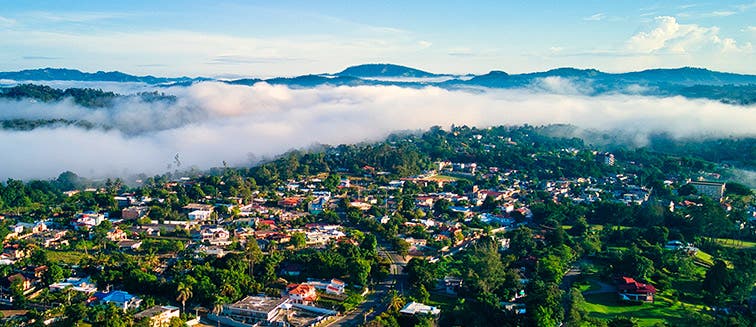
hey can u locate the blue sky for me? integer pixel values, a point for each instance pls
(284, 38)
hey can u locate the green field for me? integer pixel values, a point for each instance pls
(728, 242)
(704, 257)
(608, 306)
(72, 257)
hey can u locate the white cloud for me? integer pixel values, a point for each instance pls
(596, 17)
(212, 122)
(7, 22)
(668, 36)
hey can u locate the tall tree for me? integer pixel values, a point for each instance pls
(184, 293)
(252, 254)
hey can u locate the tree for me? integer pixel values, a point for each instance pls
(402, 247)
(369, 243)
(184, 292)
(485, 271)
(737, 188)
(420, 272)
(298, 240)
(715, 283)
(252, 254)
(218, 308)
(53, 274)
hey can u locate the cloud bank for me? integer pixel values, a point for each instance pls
(213, 122)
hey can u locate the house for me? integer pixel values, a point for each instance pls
(134, 212)
(631, 290)
(24, 282)
(159, 316)
(199, 215)
(333, 286)
(214, 236)
(120, 299)
(87, 220)
(83, 285)
(215, 251)
(450, 285)
(116, 234)
(302, 293)
(254, 309)
(336, 286)
(416, 308)
(196, 206)
(290, 203)
(129, 244)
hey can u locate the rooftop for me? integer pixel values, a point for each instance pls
(257, 303)
(154, 311)
(413, 308)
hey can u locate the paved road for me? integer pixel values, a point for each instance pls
(375, 302)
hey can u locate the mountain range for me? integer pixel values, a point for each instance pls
(686, 81)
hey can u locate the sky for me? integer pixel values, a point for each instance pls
(230, 39)
(287, 38)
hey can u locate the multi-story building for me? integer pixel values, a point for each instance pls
(714, 190)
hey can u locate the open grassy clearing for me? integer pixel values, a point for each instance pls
(728, 242)
(608, 306)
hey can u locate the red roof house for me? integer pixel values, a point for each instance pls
(631, 290)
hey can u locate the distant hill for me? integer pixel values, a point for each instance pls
(63, 74)
(384, 70)
(686, 81)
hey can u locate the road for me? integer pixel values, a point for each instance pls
(375, 302)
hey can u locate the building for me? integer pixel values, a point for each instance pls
(302, 293)
(606, 158)
(254, 309)
(87, 220)
(416, 308)
(120, 299)
(214, 236)
(715, 190)
(83, 285)
(631, 290)
(199, 215)
(132, 245)
(159, 316)
(134, 212)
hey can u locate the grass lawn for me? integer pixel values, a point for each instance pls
(608, 306)
(72, 257)
(736, 243)
(444, 178)
(589, 285)
(704, 258)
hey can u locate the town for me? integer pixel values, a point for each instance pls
(453, 227)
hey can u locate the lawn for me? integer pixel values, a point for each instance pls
(736, 243)
(704, 258)
(588, 285)
(608, 306)
(72, 257)
(444, 178)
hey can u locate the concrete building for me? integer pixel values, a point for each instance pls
(715, 190)
(254, 309)
(415, 308)
(159, 316)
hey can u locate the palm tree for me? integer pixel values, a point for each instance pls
(396, 301)
(218, 308)
(184, 292)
